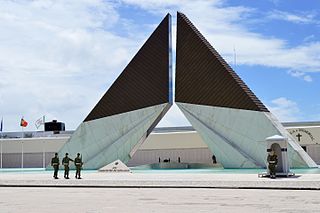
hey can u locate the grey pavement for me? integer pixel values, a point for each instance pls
(168, 200)
(161, 180)
(38, 192)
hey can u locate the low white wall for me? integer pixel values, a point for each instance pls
(187, 145)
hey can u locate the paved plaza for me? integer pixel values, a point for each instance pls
(158, 180)
(156, 200)
(157, 192)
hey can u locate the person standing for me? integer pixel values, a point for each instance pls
(55, 164)
(214, 160)
(78, 163)
(65, 162)
(272, 161)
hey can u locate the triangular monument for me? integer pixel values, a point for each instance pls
(231, 120)
(131, 108)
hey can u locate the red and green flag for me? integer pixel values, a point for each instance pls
(23, 123)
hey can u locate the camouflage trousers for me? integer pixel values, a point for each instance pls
(78, 170)
(272, 169)
(55, 169)
(66, 171)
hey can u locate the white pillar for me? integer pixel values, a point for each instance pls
(22, 154)
(43, 155)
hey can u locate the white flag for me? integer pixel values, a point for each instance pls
(40, 122)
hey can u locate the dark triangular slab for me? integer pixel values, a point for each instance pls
(203, 77)
(146, 80)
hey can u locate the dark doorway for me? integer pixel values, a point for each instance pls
(277, 149)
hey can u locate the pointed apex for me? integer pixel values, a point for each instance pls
(146, 80)
(203, 77)
(180, 14)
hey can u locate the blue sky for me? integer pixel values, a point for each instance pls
(57, 58)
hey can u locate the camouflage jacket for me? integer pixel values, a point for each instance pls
(78, 162)
(55, 161)
(272, 159)
(66, 160)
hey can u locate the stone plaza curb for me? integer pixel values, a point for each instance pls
(134, 180)
(302, 185)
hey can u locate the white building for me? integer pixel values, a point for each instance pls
(36, 149)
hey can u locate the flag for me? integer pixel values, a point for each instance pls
(23, 123)
(40, 122)
(1, 125)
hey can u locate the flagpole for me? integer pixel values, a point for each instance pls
(44, 121)
(43, 155)
(22, 148)
(44, 147)
(1, 127)
(22, 155)
(1, 140)
(1, 153)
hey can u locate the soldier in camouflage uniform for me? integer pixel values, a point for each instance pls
(65, 162)
(272, 160)
(55, 164)
(78, 163)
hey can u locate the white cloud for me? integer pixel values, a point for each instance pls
(275, 2)
(300, 75)
(307, 78)
(284, 109)
(57, 58)
(309, 38)
(308, 18)
(225, 27)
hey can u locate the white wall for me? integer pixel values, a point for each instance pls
(186, 144)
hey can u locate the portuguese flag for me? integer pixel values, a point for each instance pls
(23, 123)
